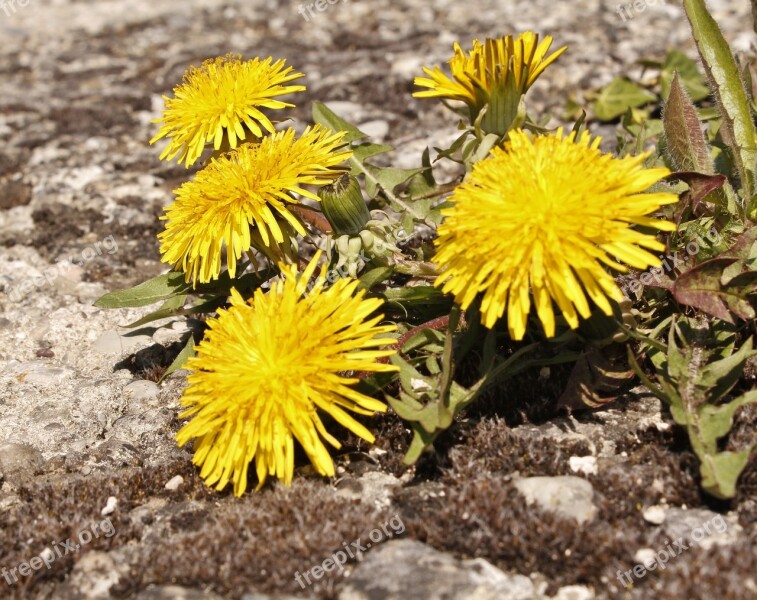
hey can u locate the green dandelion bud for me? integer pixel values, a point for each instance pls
(343, 205)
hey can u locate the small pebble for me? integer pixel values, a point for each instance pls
(110, 506)
(569, 496)
(645, 556)
(45, 353)
(583, 464)
(174, 483)
(654, 514)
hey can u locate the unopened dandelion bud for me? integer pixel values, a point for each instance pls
(343, 205)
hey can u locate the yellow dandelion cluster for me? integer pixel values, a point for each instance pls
(268, 366)
(247, 188)
(543, 217)
(540, 220)
(488, 66)
(223, 97)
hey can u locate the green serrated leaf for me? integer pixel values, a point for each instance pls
(717, 420)
(700, 287)
(454, 147)
(149, 292)
(385, 178)
(169, 308)
(724, 284)
(720, 376)
(409, 409)
(721, 471)
(422, 184)
(166, 311)
(618, 96)
(692, 387)
(723, 73)
(409, 376)
(422, 338)
(431, 364)
(366, 150)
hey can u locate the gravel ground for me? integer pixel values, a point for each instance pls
(86, 438)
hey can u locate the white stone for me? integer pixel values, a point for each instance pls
(110, 506)
(645, 556)
(574, 592)
(654, 514)
(583, 464)
(419, 385)
(174, 483)
(568, 496)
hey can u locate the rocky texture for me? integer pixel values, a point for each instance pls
(409, 569)
(82, 419)
(568, 496)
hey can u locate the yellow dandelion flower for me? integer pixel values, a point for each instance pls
(223, 97)
(489, 66)
(246, 188)
(266, 369)
(546, 215)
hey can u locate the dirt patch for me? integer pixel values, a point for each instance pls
(14, 193)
